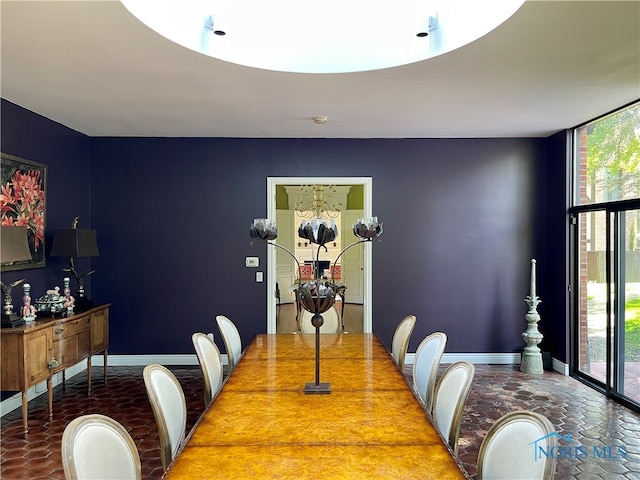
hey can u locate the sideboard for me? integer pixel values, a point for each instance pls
(36, 351)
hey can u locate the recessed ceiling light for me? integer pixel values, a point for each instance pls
(322, 36)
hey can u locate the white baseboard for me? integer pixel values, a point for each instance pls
(559, 366)
(15, 401)
(489, 358)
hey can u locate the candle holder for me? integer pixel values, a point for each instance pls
(316, 296)
(531, 355)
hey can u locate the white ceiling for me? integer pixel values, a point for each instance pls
(93, 67)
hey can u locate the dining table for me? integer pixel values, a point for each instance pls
(262, 424)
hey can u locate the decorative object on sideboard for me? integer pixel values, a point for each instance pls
(51, 303)
(76, 242)
(23, 207)
(69, 301)
(316, 296)
(14, 248)
(531, 355)
(9, 317)
(28, 311)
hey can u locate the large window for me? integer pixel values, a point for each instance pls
(606, 219)
(608, 158)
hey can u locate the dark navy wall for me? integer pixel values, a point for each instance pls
(66, 154)
(460, 230)
(463, 218)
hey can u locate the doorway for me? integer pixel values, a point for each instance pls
(274, 262)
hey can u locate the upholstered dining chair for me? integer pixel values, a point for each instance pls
(211, 364)
(169, 409)
(506, 451)
(231, 339)
(425, 367)
(96, 446)
(450, 398)
(331, 323)
(400, 341)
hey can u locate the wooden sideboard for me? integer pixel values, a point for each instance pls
(34, 352)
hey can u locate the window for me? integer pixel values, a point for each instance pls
(606, 258)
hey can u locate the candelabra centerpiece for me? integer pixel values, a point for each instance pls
(316, 296)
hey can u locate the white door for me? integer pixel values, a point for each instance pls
(285, 264)
(353, 259)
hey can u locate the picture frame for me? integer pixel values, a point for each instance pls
(23, 203)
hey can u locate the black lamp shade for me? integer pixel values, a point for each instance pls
(74, 242)
(15, 244)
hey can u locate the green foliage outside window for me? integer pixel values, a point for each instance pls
(613, 156)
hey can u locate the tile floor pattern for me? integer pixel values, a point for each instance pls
(571, 406)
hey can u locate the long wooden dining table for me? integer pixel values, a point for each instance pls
(262, 425)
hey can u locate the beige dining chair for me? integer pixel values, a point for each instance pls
(98, 447)
(331, 323)
(450, 398)
(425, 367)
(169, 409)
(231, 339)
(210, 363)
(507, 450)
(400, 341)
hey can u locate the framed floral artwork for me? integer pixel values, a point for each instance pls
(23, 204)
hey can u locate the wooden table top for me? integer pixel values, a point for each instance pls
(262, 425)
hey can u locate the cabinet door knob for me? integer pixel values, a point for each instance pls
(58, 331)
(53, 363)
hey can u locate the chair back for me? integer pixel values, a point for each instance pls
(169, 409)
(450, 398)
(210, 363)
(425, 367)
(506, 451)
(231, 339)
(331, 323)
(97, 446)
(400, 341)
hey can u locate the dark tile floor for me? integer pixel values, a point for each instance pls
(571, 406)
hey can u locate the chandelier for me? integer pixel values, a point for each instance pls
(318, 201)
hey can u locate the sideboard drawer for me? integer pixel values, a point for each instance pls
(71, 342)
(70, 328)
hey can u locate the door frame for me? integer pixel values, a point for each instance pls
(272, 183)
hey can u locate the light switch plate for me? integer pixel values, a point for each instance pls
(252, 262)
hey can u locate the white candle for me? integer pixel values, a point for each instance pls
(533, 278)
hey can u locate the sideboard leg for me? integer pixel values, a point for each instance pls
(50, 395)
(25, 406)
(89, 375)
(105, 365)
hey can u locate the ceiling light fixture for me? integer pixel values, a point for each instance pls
(322, 36)
(320, 120)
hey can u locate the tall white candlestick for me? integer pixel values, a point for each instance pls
(533, 278)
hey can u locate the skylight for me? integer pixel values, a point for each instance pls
(322, 36)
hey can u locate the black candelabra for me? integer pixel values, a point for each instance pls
(315, 296)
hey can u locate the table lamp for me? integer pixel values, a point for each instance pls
(76, 242)
(15, 248)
